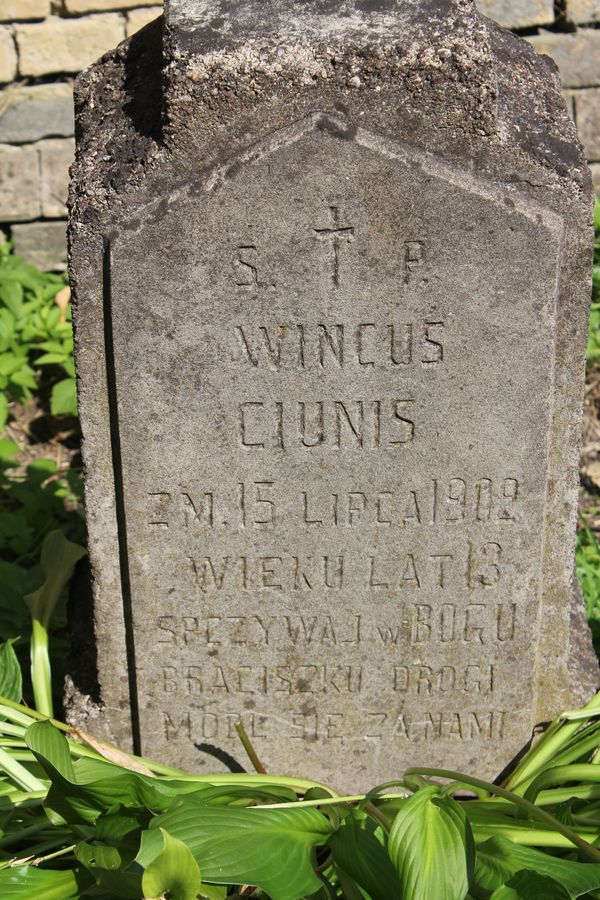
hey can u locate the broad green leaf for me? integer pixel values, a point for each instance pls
(95, 854)
(51, 749)
(108, 857)
(63, 400)
(271, 848)
(58, 560)
(527, 885)
(173, 872)
(431, 846)
(11, 294)
(28, 882)
(119, 830)
(81, 792)
(214, 892)
(8, 449)
(11, 685)
(498, 859)
(48, 359)
(224, 795)
(357, 851)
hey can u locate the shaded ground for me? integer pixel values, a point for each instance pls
(42, 436)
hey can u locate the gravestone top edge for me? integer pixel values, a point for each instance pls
(344, 130)
(220, 21)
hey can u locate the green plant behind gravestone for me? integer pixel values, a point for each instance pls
(587, 561)
(34, 332)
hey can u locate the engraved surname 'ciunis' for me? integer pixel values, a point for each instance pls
(330, 346)
(383, 424)
(334, 234)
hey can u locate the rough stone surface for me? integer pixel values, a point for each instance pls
(66, 45)
(345, 437)
(88, 6)
(19, 183)
(583, 11)
(8, 55)
(15, 10)
(576, 55)
(43, 244)
(138, 18)
(55, 158)
(587, 111)
(521, 14)
(30, 113)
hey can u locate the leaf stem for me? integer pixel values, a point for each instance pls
(41, 674)
(249, 748)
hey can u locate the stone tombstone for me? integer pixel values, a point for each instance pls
(331, 271)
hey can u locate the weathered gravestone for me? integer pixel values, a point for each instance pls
(331, 280)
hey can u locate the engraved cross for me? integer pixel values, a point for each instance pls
(336, 234)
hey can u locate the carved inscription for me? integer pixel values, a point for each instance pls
(338, 524)
(330, 347)
(335, 235)
(403, 728)
(415, 623)
(265, 504)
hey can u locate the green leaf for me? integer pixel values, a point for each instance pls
(3, 411)
(51, 748)
(498, 859)
(174, 871)
(98, 855)
(58, 560)
(11, 683)
(271, 848)
(8, 449)
(431, 846)
(357, 851)
(63, 400)
(81, 792)
(27, 882)
(526, 885)
(48, 359)
(11, 294)
(214, 892)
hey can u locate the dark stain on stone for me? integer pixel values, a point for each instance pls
(347, 134)
(232, 170)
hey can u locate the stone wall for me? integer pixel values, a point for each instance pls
(44, 43)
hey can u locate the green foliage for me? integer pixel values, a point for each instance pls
(11, 682)
(58, 560)
(34, 332)
(99, 829)
(431, 846)
(36, 357)
(587, 562)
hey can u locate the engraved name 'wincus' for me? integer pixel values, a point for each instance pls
(325, 346)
